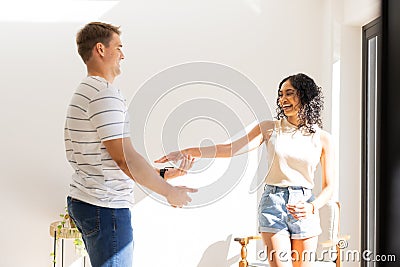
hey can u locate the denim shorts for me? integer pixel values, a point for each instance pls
(273, 216)
(107, 233)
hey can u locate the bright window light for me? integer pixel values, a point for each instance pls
(54, 10)
(336, 116)
(336, 98)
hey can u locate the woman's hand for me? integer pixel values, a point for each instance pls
(186, 164)
(300, 210)
(173, 156)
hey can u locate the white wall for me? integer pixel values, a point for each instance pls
(359, 12)
(350, 145)
(39, 66)
(355, 14)
(265, 40)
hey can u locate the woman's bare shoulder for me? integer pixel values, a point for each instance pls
(267, 125)
(326, 139)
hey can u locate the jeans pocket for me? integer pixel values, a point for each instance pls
(309, 197)
(85, 216)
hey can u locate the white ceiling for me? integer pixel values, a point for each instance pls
(54, 10)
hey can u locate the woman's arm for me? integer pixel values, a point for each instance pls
(328, 171)
(242, 145)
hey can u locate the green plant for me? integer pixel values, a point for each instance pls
(66, 228)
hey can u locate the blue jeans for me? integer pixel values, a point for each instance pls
(107, 233)
(273, 216)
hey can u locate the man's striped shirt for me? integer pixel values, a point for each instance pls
(97, 113)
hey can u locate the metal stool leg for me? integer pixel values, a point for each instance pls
(62, 252)
(55, 247)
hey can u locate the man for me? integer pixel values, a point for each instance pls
(105, 162)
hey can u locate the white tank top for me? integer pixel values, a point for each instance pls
(293, 155)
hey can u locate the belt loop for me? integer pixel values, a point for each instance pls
(274, 189)
(304, 191)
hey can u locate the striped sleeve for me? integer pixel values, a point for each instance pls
(107, 113)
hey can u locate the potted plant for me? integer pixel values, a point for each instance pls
(66, 229)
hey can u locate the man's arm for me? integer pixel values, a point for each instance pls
(136, 167)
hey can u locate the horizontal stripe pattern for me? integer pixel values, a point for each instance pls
(97, 113)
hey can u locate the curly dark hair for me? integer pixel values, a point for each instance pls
(311, 100)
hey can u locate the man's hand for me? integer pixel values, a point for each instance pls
(173, 156)
(186, 164)
(178, 196)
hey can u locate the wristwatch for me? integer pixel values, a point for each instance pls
(163, 170)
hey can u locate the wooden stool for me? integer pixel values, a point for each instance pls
(243, 253)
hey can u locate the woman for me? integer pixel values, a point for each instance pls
(288, 212)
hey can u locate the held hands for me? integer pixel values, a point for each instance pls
(300, 210)
(173, 156)
(178, 196)
(186, 164)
